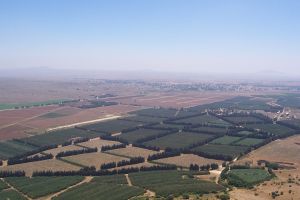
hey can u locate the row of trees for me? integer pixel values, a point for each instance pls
(165, 154)
(4, 174)
(13, 161)
(91, 171)
(111, 147)
(121, 163)
(195, 167)
(76, 152)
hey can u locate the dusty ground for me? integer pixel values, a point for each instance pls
(94, 159)
(185, 160)
(285, 152)
(133, 152)
(29, 168)
(97, 143)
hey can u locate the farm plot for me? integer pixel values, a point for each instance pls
(41, 186)
(14, 131)
(225, 140)
(162, 112)
(243, 119)
(97, 143)
(113, 126)
(165, 183)
(60, 136)
(132, 152)
(245, 133)
(45, 165)
(140, 134)
(249, 142)
(211, 130)
(295, 123)
(178, 140)
(11, 195)
(105, 187)
(93, 159)
(13, 148)
(246, 177)
(3, 185)
(168, 126)
(185, 160)
(203, 120)
(55, 151)
(275, 129)
(144, 119)
(221, 150)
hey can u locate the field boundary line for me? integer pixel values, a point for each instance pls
(71, 162)
(15, 189)
(128, 180)
(115, 154)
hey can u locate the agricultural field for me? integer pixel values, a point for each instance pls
(33, 104)
(45, 165)
(15, 131)
(165, 183)
(144, 119)
(249, 142)
(3, 185)
(41, 186)
(112, 126)
(275, 129)
(57, 150)
(243, 119)
(211, 130)
(132, 152)
(97, 143)
(11, 195)
(203, 120)
(160, 113)
(110, 188)
(93, 159)
(12, 148)
(60, 136)
(245, 133)
(168, 126)
(225, 140)
(178, 140)
(293, 123)
(225, 150)
(246, 177)
(139, 134)
(185, 160)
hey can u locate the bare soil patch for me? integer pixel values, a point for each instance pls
(133, 152)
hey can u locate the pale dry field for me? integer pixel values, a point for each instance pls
(29, 168)
(133, 152)
(145, 164)
(285, 152)
(97, 142)
(94, 159)
(55, 151)
(185, 160)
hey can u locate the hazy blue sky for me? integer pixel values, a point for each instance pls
(179, 35)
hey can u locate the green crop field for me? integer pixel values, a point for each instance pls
(33, 104)
(11, 195)
(295, 123)
(243, 119)
(13, 148)
(249, 142)
(168, 126)
(245, 133)
(60, 136)
(152, 112)
(217, 149)
(134, 136)
(104, 187)
(52, 115)
(3, 185)
(41, 186)
(225, 140)
(165, 183)
(203, 120)
(112, 126)
(144, 119)
(246, 177)
(178, 140)
(275, 129)
(211, 130)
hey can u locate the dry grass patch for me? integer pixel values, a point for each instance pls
(98, 143)
(185, 160)
(29, 168)
(94, 159)
(133, 152)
